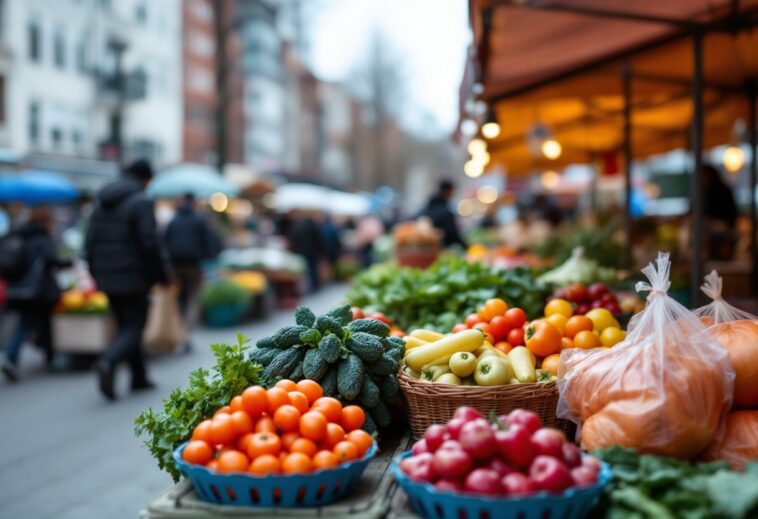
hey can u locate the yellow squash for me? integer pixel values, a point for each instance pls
(523, 364)
(426, 335)
(466, 340)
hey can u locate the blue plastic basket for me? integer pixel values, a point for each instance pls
(316, 489)
(574, 503)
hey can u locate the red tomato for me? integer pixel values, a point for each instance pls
(357, 313)
(499, 328)
(516, 337)
(471, 320)
(459, 327)
(379, 316)
(515, 317)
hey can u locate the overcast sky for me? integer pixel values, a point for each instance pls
(430, 36)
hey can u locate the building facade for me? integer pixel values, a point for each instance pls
(58, 62)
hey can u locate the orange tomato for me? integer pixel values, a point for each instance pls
(265, 424)
(299, 400)
(304, 445)
(495, 307)
(242, 422)
(197, 452)
(310, 389)
(287, 385)
(224, 410)
(264, 443)
(254, 401)
(297, 463)
(329, 407)
(566, 343)
(289, 438)
(265, 465)
(236, 404)
(543, 339)
(233, 461)
(287, 418)
(334, 434)
(222, 431)
(345, 451)
(313, 426)
(559, 321)
(325, 460)
(202, 431)
(503, 346)
(550, 363)
(576, 324)
(277, 397)
(586, 340)
(212, 465)
(361, 439)
(352, 417)
(244, 442)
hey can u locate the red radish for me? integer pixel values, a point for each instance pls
(500, 466)
(572, 455)
(449, 485)
(454, 427)
(467, 414)
(420, 468)
(528, 419)
(477, 438)
(517, 484)
(419, 447)
(515, 445)
(483, 481)
(583, 476)
(450, 444)
(434, 436)
(548, 473)
(452, 463)
(549, 442)
(591, 462)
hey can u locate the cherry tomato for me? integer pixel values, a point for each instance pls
(516, 337)
(499, 328)
(515, 317)
(471, 320)
(495, 307)
(459, 327)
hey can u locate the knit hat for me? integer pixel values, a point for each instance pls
(140, 168)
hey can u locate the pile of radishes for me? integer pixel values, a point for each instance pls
(515, 456)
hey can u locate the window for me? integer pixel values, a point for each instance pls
(34, 122)
(59, 49)
(202, 10)
(200, 80)
(140, 13)
(81, 56)
(56, 135)
(34, 35)
(201, 45)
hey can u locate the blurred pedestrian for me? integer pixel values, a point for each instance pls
(189, 241)
(33, 292)
(305, 239)
(330, 234)
(369, 229)
(720, 211)
(442, 217)
(126, 259)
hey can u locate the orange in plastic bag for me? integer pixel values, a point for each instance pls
(664, 390)
(739, 443)
(737, 332)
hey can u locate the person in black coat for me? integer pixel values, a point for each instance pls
(189, 241)
(35, 293)
(305, 239)
(126, 258)
(442, 217)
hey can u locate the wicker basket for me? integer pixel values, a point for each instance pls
(430, 403)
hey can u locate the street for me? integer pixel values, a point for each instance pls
(69, 454)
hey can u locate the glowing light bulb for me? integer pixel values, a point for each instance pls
(219, 202)
(477, 146)
(473, 168)
(734, 159)
(487, 194)
(551, 149)
(550, 180)
(491, 130)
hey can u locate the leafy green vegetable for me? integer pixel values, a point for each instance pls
(184, 408)
(607, 250)
(442, 295)
(223, 293)
(652, 487)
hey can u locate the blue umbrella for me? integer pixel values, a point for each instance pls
(201, 181)
(36, 187)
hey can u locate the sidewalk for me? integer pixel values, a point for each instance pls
(68, 454)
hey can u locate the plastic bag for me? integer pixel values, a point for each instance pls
(664, 390)
(164, 330)
(737, 331)
(739, 443)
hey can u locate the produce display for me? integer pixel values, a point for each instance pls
(417, 233)
(395, 331)
(664, 390)
(512, 455)
(290, 428)
(262, 259)
(83, 302)
(649, 486)
(355, 361)
(251, 280)
(598, 240)
(584, 298)
(437, 298)
(577, 269)
(185, 408)
(224, 293)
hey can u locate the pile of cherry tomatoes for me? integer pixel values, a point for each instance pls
(502, 325)
(290, 428)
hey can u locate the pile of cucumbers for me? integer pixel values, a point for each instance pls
(354, 360)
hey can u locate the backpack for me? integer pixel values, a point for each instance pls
(13, 260)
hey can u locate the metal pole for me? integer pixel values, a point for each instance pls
(626, 75)
(222, 93)
(696, 194)
(753, 135)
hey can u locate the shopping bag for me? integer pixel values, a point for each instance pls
(165, 330)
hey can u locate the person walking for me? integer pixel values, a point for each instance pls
(330, 235)
(189, 241)
(34, 292)
(305, 239)
(126, 259)
(442, 217)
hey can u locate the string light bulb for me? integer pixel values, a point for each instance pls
(551, 149)
(733, 158)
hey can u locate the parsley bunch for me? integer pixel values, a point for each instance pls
(185, 408)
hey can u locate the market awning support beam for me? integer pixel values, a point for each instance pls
(752, 88)
(626, 78)
(696, 193)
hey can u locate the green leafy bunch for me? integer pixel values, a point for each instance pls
(206, 392)
(442, 295)
(223, 292)
(656, 487)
